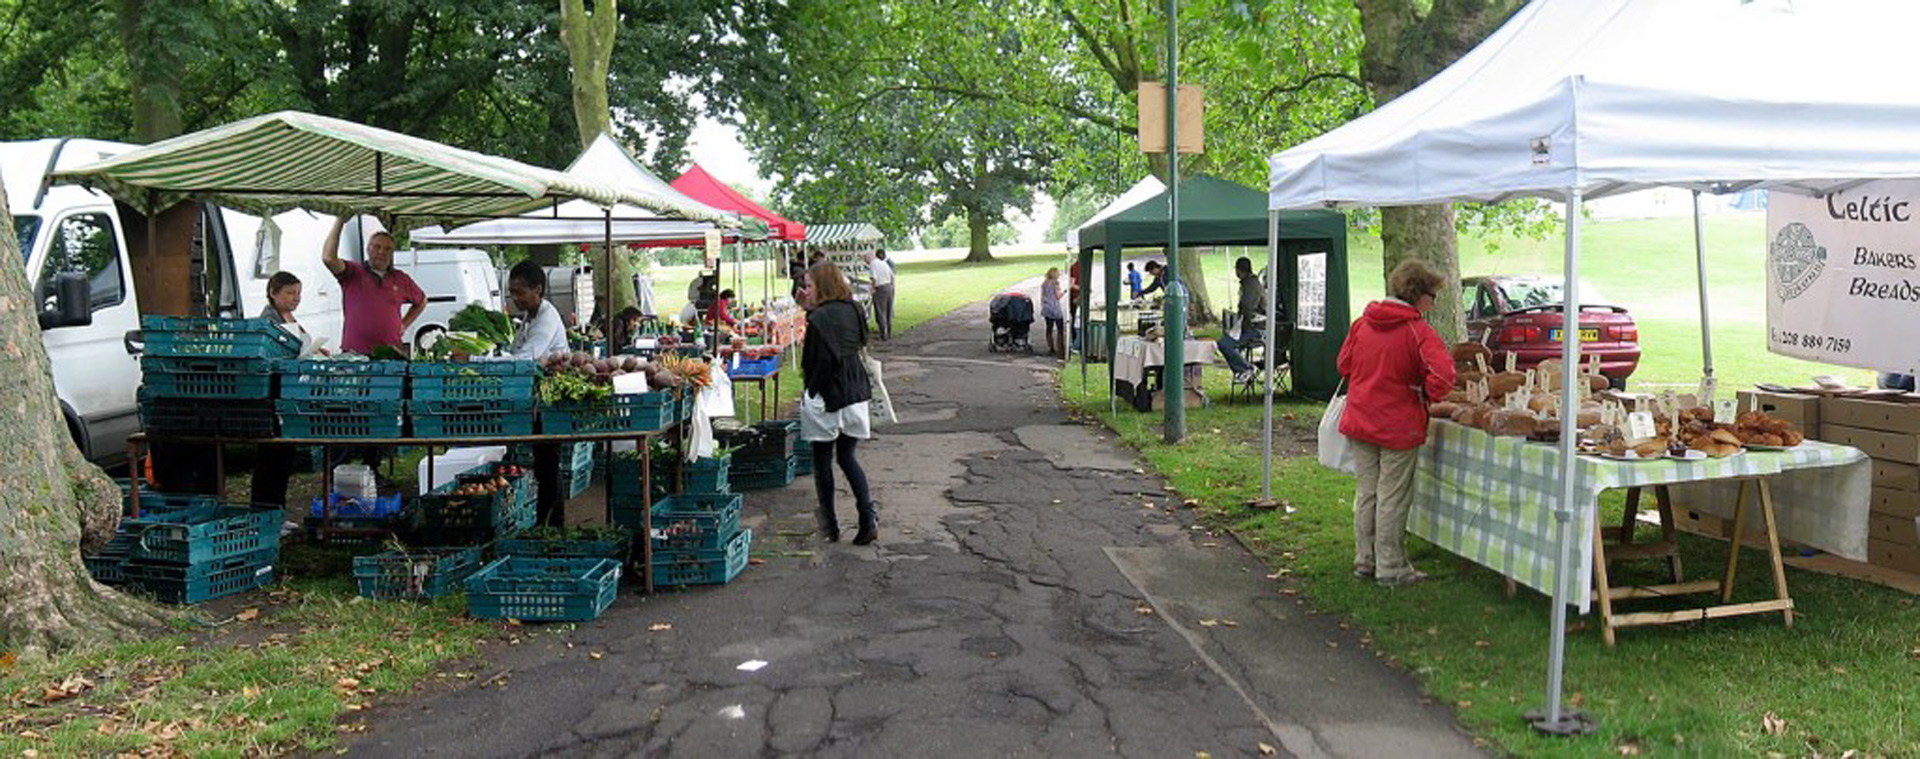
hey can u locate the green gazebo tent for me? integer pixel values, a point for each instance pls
(1217, 212)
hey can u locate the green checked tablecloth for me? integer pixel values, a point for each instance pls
(1490, 499)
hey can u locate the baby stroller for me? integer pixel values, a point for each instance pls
(1012, 316)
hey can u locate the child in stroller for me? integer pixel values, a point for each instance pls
(1012, 316)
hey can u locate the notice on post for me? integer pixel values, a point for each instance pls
(1843, 276)
(1312, 293)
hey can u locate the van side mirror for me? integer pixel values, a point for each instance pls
(71, 304)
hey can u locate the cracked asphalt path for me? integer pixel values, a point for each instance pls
(1021, 601)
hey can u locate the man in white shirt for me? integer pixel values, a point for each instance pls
(543, 333)
(880, 273)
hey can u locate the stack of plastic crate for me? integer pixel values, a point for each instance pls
(416, 574)
(193, 554)
(190, 361)
(764, 455)
(475, 510)
(697, 539)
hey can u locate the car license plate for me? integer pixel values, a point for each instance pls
(1586, 335)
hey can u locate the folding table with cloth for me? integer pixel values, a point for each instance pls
(1138, 368)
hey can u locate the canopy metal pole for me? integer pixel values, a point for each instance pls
(1700, 259)
(1555, 720)
(1173, 375)
(1110, 273)
(607, 318)
(1266, 416)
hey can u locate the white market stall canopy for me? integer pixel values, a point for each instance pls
(582, 221)
(1135, 195)
(1611, 96)
(280, 161)
(848, 233)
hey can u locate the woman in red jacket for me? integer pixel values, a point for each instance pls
(1394, 364)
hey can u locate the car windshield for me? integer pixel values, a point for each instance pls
(26, 226)
(1528, 293)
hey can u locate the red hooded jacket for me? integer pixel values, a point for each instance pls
(1395, 364)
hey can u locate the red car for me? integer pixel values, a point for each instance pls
(1521, 316)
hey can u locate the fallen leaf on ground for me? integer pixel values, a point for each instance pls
(1482, 644)
(248, 614)
(1279, 574)
(9, 659)
(1266, 750)
(1577, 699)
(1209, 622)
(1143, 609)
(1772, 724)
(756, 562)
(1628, 748)
(1229, 623)
(660, 627)
(1289, 592)
(595, 655)
(1333, 644)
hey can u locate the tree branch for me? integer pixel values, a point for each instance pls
(1288, 89)
(1069, 109)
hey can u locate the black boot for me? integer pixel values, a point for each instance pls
(869, 527)
(829, 526)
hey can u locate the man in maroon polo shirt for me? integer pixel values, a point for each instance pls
(372, 293)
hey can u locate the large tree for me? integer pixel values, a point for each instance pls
(53, 503)
(880, 114)
(1409, 41)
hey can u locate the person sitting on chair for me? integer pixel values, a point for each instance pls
(1253, 310)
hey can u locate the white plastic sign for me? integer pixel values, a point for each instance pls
(1640, 426)
(1840, 269)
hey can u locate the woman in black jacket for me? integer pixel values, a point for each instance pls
(833, 411)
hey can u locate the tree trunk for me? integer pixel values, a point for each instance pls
(978, 241)
(53, 502)
(588, 37)
(1193, 272)
(153, 73)
(1426, 233)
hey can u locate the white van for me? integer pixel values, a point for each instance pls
(451, 278)
(75, 243)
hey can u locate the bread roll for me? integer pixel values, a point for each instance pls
(1506, 382)
(1467, 351)
(1442, 410)
(1483, 417)
(1651, 448)
(1512, 423)
(1724, 437)
(1463, 414)
(1458, 397)
(1587, 417)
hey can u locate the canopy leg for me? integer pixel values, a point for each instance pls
(1700, 260)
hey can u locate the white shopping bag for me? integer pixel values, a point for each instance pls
(882, 404)
(717, 399)
(1336, 451)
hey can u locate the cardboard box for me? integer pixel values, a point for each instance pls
(1802, 410)
(1896, 530)
(1884, 416)
(1895, 475)
(1896, 503)
(1892, 446)
(1881, 553)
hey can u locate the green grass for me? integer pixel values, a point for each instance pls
(1847, 676)
(269, 685)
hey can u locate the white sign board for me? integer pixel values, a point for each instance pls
(1843, 276)
(1312, 293)
(714, 241)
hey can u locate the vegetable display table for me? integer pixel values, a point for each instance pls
(1491, 500)
(760, 380)
(139, 443)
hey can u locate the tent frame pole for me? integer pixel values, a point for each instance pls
(1700, 261)
(1173, 372)
(1555, 719)
(1273, 294)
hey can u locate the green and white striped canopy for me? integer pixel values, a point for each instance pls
(854, 233)
(282, 161)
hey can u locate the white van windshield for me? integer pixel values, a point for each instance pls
(26, 226)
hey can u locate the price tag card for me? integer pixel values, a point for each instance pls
(1725, 410)
(1709, 388)
(1640, 426)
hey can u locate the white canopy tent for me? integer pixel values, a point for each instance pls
(603, 162)
(1577, 99)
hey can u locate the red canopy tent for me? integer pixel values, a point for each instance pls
(702, 186)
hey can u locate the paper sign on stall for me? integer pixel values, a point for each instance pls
(1640, 426)
(1842, 269)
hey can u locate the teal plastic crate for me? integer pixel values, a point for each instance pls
(341, 419)
(643, 412)
(704, 567)
(803, 462)
(473, 381)
(471, 418)
(202, 581)
(569, 549)
(105, 564)
(708, 475)
(576, 469)
(343, 380)
(543, 590)
(209, 377)
(205, 533)
(200, 337)
(416, 574)
(695, 522)
(767, 475)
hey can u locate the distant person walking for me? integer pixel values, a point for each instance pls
(833, 408)
(880, 273)
(1394, 364)
(1054, 314)
(1133, 281)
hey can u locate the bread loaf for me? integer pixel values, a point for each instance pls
(1467, 351)
(1506, 382)
(1512, 423)
(1442, 410)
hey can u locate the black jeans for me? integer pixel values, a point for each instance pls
(272, 467)
(546, 479)
(824, 455)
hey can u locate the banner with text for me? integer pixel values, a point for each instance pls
(1843, 276)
